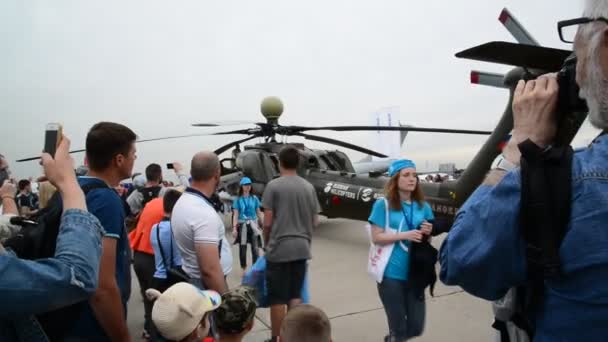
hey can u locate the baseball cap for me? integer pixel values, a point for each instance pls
(178, 311)
(245, 181)
(237, 310)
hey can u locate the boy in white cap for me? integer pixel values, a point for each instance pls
(181, 312)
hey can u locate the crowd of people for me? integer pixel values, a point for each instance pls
(177, 244)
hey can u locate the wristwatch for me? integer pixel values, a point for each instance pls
(502, 163)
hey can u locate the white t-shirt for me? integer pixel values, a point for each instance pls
(194, 221)
(226, 254)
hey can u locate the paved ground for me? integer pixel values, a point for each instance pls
(340, 286)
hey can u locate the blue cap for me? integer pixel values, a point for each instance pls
(245, 181)
(399, 165)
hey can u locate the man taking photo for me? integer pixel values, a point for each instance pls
(485, 253)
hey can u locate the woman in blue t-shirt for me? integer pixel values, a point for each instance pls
(409, 216)
(246, 214)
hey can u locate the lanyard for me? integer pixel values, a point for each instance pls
(409, 220)
(246, 201)
(201, 195)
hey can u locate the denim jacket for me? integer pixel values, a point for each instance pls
(485, 254)
(30, 287)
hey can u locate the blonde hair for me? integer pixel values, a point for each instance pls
(45, 192)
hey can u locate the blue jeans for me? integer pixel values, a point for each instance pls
(405, 311)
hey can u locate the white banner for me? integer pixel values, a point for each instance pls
(386, 142)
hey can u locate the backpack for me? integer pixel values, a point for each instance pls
(38, 234)
(422, 273)
(546, 178)
(149, 194)
(37, 240)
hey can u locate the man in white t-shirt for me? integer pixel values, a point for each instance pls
(198, 227)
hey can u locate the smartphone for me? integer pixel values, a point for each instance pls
(170, 166)
(52, 138)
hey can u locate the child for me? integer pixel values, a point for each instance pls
(236, 316)
(181, 312)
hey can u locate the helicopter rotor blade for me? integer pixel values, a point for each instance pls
(391, 128)
(342, 144)
(138, 141)
(247, 131)
(38, 158)
(175, 137)
(527, 56)
(517, 30)
(225, 123)
(488, 79)
(234, 143)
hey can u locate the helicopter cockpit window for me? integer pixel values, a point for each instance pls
(268, 165)
(341, 160)
(322, 164)
(257, 165)
(275, 162)
(330, 165)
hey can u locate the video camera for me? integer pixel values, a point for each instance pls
(571, 108)
(569, 100)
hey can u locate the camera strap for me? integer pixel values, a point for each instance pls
(546, 178)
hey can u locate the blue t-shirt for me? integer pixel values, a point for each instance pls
(247, 207)
(107, 206)
(162, 232)
(398, 263)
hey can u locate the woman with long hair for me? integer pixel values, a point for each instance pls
(408, 216)
(246, 215)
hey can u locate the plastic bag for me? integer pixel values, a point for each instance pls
(256, 278)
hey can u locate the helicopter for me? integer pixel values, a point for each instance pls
(341, 191)
(344, 193)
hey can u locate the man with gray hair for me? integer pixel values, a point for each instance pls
(485, 253)
(198, 227)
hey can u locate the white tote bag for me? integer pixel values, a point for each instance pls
(378, 255)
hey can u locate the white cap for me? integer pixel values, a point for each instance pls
(178, 311)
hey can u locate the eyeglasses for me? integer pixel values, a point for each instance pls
(568, 28)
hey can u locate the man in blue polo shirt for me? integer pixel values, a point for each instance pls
(110, 149)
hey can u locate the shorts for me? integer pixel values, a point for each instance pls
(284, 281)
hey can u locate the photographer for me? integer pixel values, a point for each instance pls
(485, 252)
(33, 287)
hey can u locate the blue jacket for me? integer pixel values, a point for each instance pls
(485, 254)
(32, 287)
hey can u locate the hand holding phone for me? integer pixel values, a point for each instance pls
(170, 166)
(52, 138)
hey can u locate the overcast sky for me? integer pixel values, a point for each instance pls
(158, 66)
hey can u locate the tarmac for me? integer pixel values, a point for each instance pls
(340, 285)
